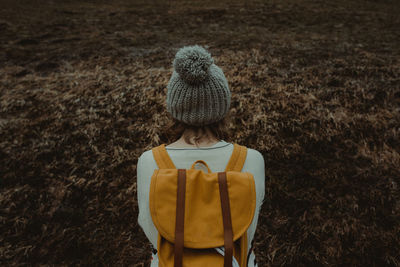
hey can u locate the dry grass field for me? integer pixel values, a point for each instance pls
(315, 88)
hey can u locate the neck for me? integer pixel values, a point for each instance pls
(205, 141)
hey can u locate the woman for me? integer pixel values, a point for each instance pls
(198, 99)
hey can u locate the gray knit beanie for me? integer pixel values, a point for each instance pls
(198, 92)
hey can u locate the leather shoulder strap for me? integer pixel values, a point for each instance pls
(162, 158)
(237, 159)
(180, 218)
(226, 219)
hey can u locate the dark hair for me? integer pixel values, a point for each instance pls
(219, 129)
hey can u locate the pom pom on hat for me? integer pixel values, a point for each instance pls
(192, 63)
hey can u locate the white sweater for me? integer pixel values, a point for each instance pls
(216, 157)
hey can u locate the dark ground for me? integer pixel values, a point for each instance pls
(315, 88)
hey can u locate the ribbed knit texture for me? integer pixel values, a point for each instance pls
(197, 92)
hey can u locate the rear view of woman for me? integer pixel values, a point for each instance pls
(198, 100)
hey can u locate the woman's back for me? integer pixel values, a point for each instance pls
(217, 157)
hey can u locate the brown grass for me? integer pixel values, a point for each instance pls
(315, 88)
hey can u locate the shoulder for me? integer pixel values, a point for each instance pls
(255, 154)
(145, 157)
(146, 164)
(145, 154)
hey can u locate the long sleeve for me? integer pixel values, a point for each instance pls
(256, 166)
(145, 169)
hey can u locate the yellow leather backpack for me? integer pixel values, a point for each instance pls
(196, 212)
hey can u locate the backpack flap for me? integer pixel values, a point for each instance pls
(203, 215)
